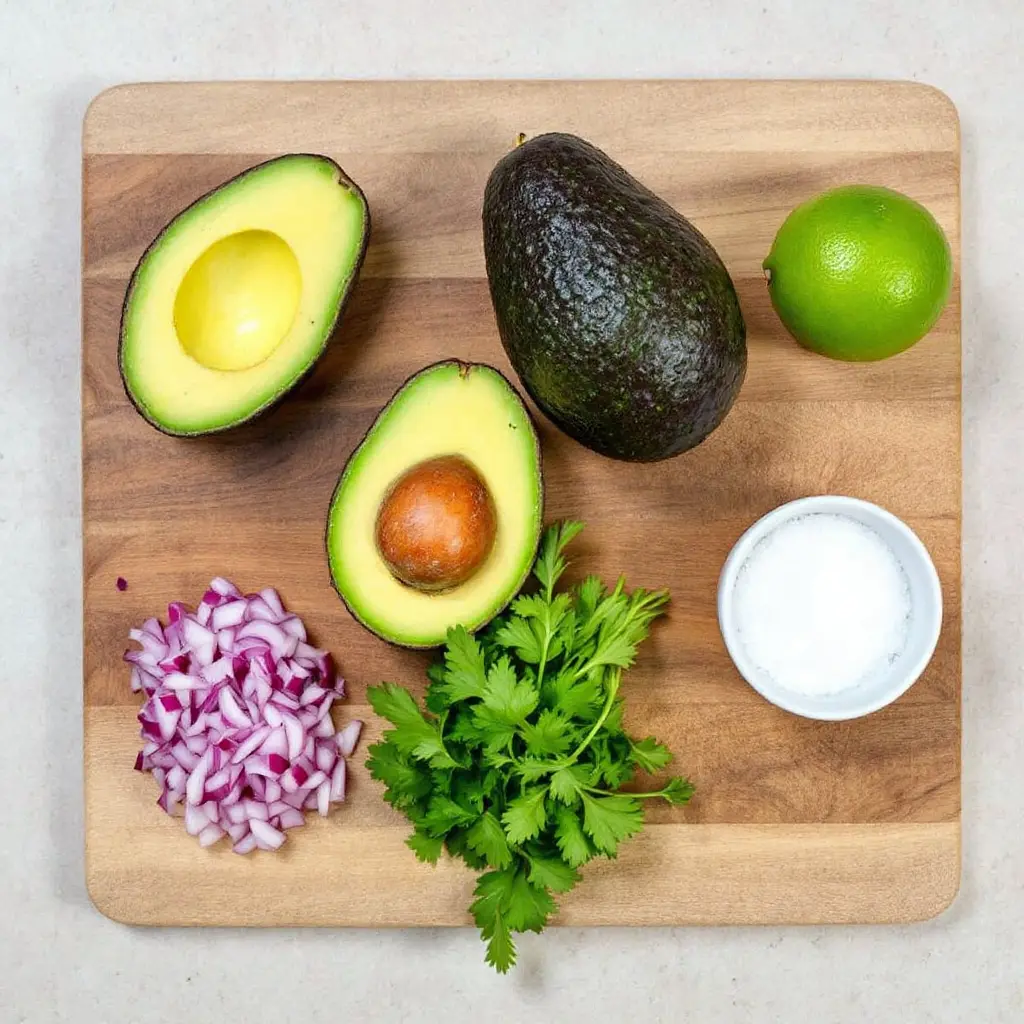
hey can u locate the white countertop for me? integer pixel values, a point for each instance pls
(62, 961)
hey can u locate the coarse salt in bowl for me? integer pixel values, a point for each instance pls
(830, 607)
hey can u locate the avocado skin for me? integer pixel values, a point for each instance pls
(344, 181)
(617, 314)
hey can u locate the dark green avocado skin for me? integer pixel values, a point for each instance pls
(617, 314)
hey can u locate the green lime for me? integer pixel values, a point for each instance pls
(859, 272)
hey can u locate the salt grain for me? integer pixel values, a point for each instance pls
(822, 604)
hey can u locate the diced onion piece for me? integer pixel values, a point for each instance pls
(224, 587)
(291, 817)
(267, 837)
(338, 782)
(246, 844)
(348, 737)
(210, 834)
(323, 796)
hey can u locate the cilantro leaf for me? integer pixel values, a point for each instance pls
(533, 631)
(436, 700)
(519, 635)
(508, 698)
(407, 783)
(556, 610)
(501, 950)
(530, 606)
(678, 791)
(495, 733)
(550, 734)
(550, 564)
(464, 727)
(613, 772)
(427, 848)
(611, 759)
(610, 819)
(467, 790)
(444, 814)
(529, 906)
(493, 901)
(564, 640)
(491, 783)
(577, 697)
(556, 645)
(570, 838)
(588, 594)
(550, 872)
(396, 704)
(457, 845)
(530, 769)
(498, 761)
(525, 816)
(608, 614)
(432, 749)
(617, 650)
(487, 838)
(508, 894)
(493, 891)
(465, 674)
(569, 782)
(413, 734)
(650, 755)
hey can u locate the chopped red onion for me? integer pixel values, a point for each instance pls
(223, 587)
(323, 796)
(348, 737)
(237, 718)
(210, 834)
(229, 615)
(293, 626)
(246, 844)
(272, 598)
(267, 837)
(338, 781)
(290, 817)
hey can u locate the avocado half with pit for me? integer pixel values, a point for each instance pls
(236, 299)
(437, 515)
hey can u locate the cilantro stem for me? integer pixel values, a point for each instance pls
(620, 792)
(549, 593)
(613, 689)
(543, 663)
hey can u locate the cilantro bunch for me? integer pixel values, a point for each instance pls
(516, 763)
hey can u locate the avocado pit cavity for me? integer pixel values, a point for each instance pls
(238, 300)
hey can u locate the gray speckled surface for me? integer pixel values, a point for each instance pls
(61, 960)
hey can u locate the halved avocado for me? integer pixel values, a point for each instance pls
(454, 458)
(236, 299)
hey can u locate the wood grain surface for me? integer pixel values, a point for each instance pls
(794, 821)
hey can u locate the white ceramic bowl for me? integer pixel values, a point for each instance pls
(925, 615)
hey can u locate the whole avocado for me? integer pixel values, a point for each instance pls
(618, 315)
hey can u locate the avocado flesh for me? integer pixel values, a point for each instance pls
(616, 313)
(450, 408)
(237, 297)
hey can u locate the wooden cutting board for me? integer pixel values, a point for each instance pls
(794, 821)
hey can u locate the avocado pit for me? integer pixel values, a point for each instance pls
(437, 524)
